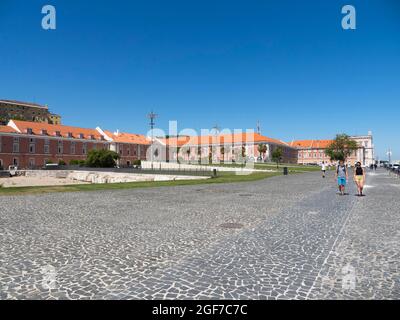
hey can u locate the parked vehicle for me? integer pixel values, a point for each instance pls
(51, 166)
(12, 170)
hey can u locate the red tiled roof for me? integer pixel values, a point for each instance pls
(124, 137)
(51, 129)
(220, 139)
(7, 129)
(311, 144)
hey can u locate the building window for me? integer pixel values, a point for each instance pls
(15, 147)
(60, 147)
(46, 148)
(72, 147)
(84, 148)
(32, 148)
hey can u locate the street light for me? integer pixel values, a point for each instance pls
(152, 116)
(389, 154)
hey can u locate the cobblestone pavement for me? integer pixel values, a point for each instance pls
(281, 238)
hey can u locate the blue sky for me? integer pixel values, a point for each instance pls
(288, 64)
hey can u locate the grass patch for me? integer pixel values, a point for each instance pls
(223, 177)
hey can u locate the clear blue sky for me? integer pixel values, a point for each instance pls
(288, 64)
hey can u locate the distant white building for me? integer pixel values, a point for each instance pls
(313, 151)
(366, 151)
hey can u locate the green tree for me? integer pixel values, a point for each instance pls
(341, 147)
(277, 156)
(262, 149)
(101, 158)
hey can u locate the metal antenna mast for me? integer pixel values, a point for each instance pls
(258, 127)
(216, 129)
(152, 116)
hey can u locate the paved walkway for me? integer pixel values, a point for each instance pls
(281, 238)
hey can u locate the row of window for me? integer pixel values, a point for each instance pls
(31, 163)
(46, 146)
(312, 155)
(128, 150)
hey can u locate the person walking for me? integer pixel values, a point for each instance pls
(359, 178)
(323, 169)
(341, 176)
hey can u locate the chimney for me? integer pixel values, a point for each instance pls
(43, 132)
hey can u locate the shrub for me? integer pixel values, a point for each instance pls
(101, 158)
(77, 163)
(137, 163)
(61, 163)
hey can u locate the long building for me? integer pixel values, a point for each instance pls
(219, 148)
(33, 144)
(313, 151)
(30, 144)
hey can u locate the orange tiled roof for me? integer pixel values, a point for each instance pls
(7, 129)
(220, 139)
(51, 129)
(311, 144)
(124, 137)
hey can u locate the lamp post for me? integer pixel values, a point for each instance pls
(152, 116)
(389, 154)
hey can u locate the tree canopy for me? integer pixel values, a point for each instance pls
(101, 158)
(341, 147)
(277, 155)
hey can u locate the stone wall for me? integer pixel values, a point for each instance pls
(106, 177)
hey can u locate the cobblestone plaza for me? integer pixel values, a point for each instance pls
(287, 237)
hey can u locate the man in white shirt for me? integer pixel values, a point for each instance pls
(323, 169)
